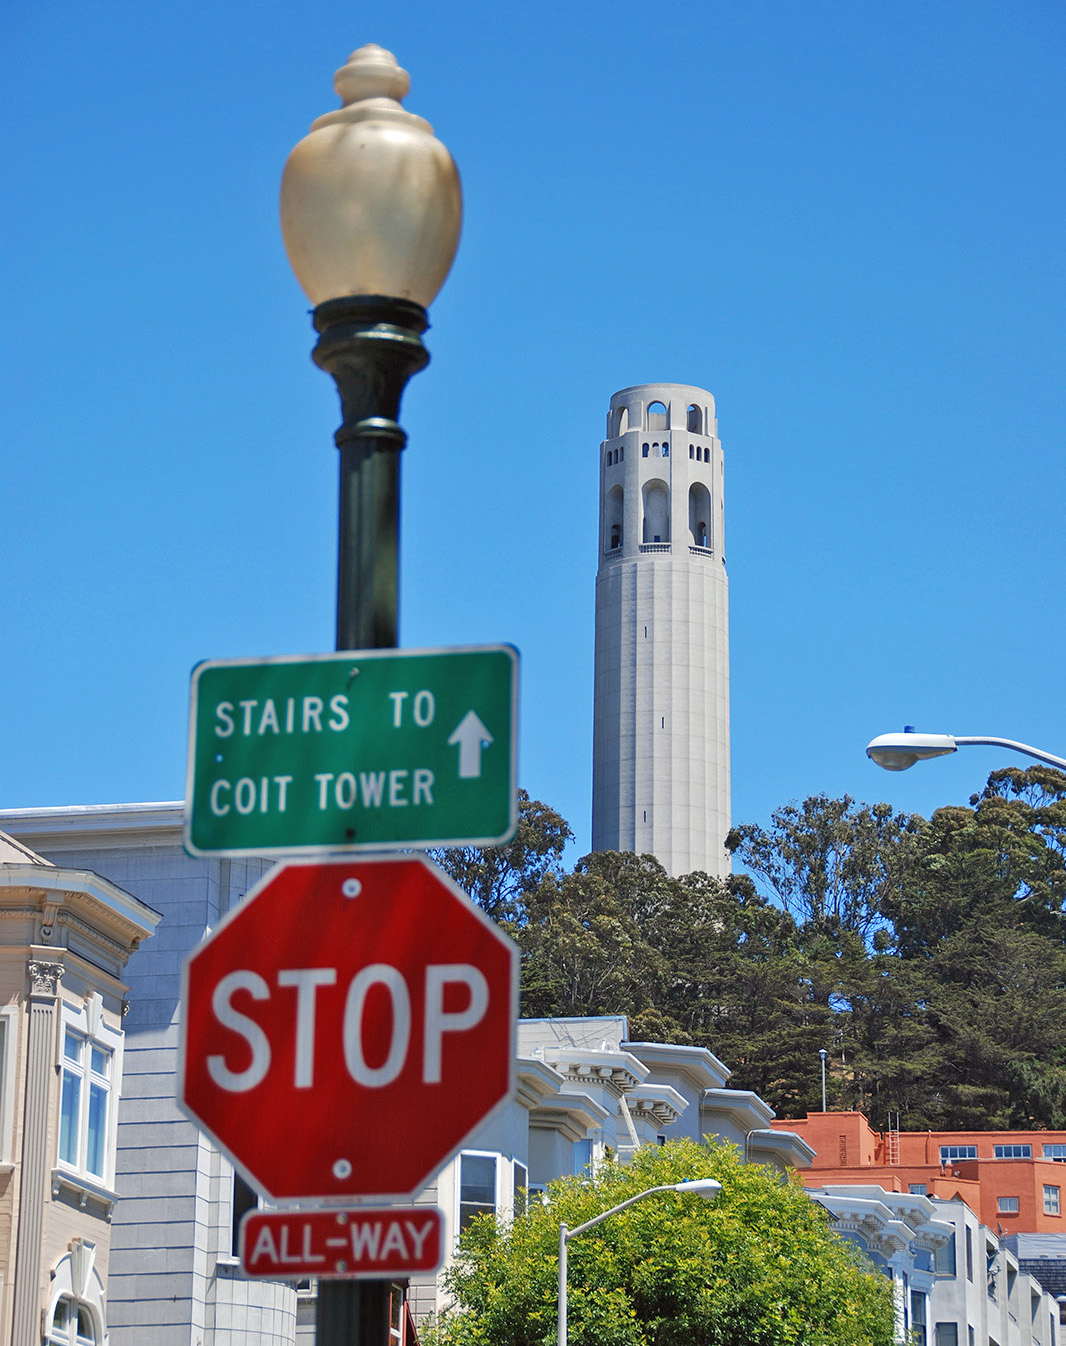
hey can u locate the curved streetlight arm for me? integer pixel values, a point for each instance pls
(1038, 753)
(705, 1187)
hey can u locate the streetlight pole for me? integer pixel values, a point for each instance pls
(370, 212)
(897, 752)
(708, 1188)
(823, 1054)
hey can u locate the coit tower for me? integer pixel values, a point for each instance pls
(660, 756)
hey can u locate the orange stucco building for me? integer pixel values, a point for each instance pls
(1014, 1181)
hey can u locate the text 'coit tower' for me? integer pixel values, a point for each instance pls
(660, 756)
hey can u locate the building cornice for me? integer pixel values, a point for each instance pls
(701, 1068)
(746, 1109)
(573, 1115)
(61, 892)
(68, 827)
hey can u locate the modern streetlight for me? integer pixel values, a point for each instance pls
(370, 212)
(823, 1054)
(708, 1188)
(897, 752)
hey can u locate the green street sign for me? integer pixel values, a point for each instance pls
(352, 751)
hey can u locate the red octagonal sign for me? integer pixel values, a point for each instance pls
(347, 1027)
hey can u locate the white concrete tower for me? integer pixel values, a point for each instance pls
(660, 754)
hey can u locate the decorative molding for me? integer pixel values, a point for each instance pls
(83, 1191)
(44, 978)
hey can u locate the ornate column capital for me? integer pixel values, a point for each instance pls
(44, 978)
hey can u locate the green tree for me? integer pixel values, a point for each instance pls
(829, 862)
(500, 878)
(758, 1266)
(585, 943)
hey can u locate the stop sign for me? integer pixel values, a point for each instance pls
(347, 1026)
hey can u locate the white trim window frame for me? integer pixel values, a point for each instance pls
(89, 1062)
(509, 1178)
(476, 1192)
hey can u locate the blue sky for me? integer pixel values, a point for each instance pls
(844, 219)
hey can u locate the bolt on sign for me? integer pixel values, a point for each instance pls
(351, 751)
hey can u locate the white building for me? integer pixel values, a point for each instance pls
(956, 1283)
(660, 773)
(174, 1278)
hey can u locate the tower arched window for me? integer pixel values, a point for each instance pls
(656, 524)
(620, 423)
(656, 416)
(613, 516)
(699, 515)
(694, 419)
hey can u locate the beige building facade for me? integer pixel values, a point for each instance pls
(65, 938)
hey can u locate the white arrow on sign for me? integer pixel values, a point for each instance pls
(471, 736)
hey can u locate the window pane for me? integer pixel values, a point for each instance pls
(86, 1331)
(477, 1187)
(70, 1107)
(101, 1061)
(1051, 1200)
(94, 1149)
(72, 1046)
(478, 1179)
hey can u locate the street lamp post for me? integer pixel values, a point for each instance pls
(708, 1188)
(823, 1054)
(370, 213)
(897, 752)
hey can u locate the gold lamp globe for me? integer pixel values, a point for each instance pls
(370, 199)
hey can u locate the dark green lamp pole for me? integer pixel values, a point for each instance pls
(370, 212)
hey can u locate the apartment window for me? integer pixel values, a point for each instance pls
(1007, 1205)
(1012, 1151)
(918, 1188)
(1056, 1152)
(519, 1188)
(397, 1300)
(949, 1153)
(583, 1148)
(245, 1200)
(918, 1302)
(1051, 1200)
(946, 1334)
(969, 1253)
(477, 1187)
(85, 1095)
(72, 1325)
(945, 1258)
